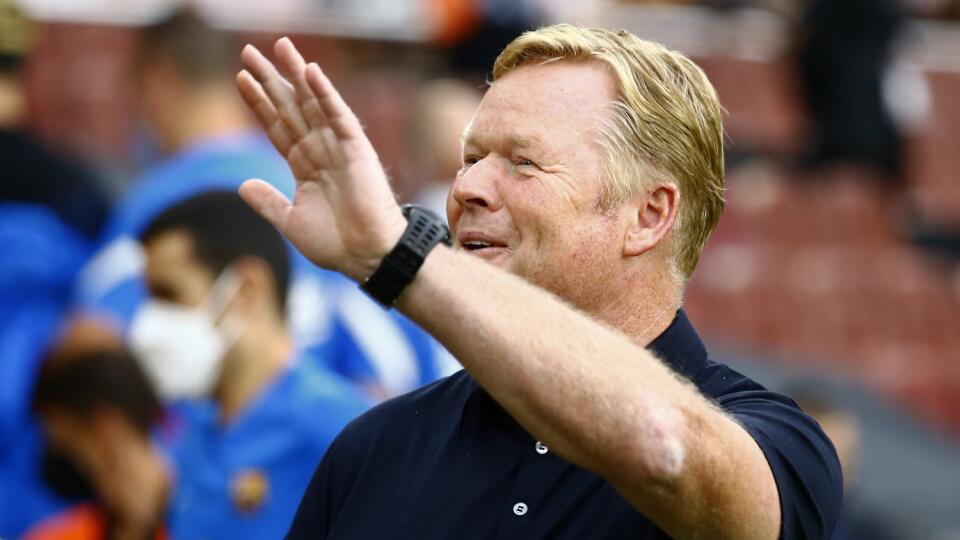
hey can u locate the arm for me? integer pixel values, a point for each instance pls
(593, 396)
(598, 400)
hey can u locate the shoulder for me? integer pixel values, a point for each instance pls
(801, 456)
(80, 521)
(398, 421)
(373, 443)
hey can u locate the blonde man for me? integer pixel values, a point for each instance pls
(592, 176)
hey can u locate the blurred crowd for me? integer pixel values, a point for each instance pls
(171, 367)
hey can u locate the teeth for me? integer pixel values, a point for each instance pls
(477, 244)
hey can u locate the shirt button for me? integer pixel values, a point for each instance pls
(520, 508)
(541, 448)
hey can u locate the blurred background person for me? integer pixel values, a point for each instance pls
(247, 421)
(32, 172)
(441, 111)
(100, 412)
(257, 418)
(40, 255)
(845, 54)
(184, 73)
(51, 208)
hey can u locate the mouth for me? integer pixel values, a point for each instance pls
(481, 245)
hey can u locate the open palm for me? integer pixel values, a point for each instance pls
(344, 215)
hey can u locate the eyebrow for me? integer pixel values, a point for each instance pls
(521, 140)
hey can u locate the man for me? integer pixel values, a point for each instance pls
(214, 328)
(40, 257)
(32, 172)
(206, 139)
(593, 174)
(99, 410)
(442, 108)
(209, 141)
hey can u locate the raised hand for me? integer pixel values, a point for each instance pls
(344, 215)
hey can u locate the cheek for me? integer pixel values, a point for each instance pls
(453, 212)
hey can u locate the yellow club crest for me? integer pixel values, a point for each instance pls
(249, 490)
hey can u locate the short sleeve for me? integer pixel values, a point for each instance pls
(802, 458)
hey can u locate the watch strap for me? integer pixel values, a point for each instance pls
(424, 231)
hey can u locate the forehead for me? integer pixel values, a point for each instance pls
(173, 271)
(537, 102)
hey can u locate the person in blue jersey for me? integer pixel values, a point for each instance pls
(41, 255)
(183, 80)
(185, 85)
(254, 417)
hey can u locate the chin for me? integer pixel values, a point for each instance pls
(498, 257)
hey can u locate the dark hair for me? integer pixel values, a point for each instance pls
(223, 229)
(199, 52)
(94, 380)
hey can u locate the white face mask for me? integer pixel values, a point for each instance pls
(180, 348)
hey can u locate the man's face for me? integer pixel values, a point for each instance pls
(74, 437)
(173, 273)
(528, 195)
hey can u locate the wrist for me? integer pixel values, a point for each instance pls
(365, 265)
(424, 230)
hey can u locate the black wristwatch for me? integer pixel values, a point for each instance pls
(424, 231)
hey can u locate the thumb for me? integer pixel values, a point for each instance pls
(267, 201)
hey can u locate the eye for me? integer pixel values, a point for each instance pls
(470, 160)
(524, 162)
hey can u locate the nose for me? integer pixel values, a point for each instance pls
(476, 188)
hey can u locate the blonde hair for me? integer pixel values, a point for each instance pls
(665, 124)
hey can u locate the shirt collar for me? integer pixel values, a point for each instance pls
(679, 346)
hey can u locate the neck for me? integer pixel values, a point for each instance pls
(656, 301)
(213, 110)
(255, 360)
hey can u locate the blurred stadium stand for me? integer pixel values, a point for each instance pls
(808, 265)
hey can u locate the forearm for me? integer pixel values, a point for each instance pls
(597, 399)
(584, 389)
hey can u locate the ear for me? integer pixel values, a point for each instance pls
(257, 285)
(651, 217)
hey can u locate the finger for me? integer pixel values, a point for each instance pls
(344, 123)
(277, 88)
(257, 100)
(268, 202)
(292, 66)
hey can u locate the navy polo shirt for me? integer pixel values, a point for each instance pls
(446, 461)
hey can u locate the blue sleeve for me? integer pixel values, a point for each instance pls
(801, 457)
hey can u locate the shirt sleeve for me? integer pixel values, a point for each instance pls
(802, 458)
